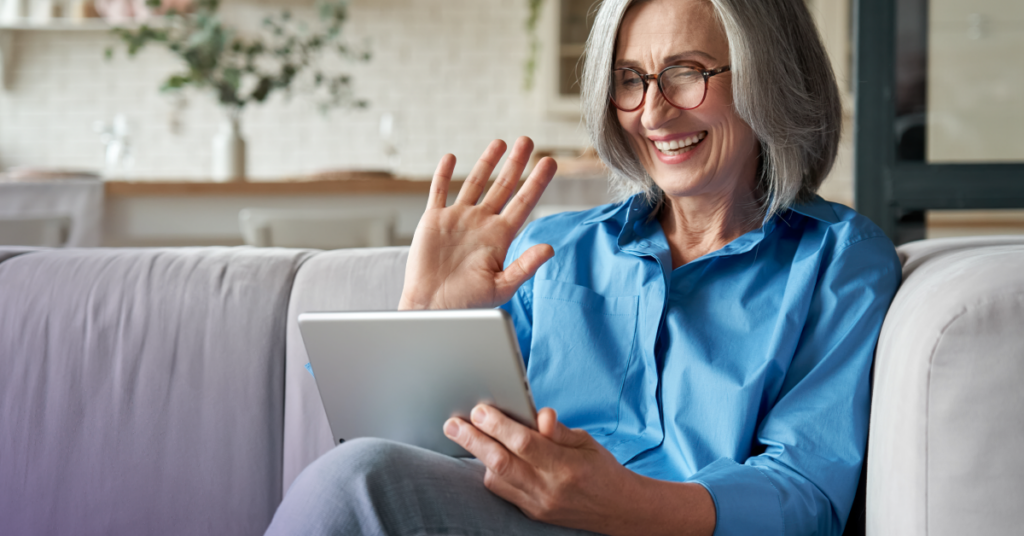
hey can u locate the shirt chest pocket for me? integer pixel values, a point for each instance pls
(581, 348)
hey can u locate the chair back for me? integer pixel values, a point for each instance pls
(35, 231)
(319, 229)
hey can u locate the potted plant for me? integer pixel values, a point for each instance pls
(241, 69)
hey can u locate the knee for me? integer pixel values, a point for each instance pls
(355, 462)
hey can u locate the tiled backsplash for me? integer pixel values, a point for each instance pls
(450, 72)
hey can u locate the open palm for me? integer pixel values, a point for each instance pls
(458, 253)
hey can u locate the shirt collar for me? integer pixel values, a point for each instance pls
(641, 234)
(614, 212)
(816, 208)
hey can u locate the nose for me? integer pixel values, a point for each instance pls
(656, 111)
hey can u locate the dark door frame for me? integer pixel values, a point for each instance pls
(896, 193)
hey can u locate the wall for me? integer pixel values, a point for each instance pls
(975, 81)
(450, 71)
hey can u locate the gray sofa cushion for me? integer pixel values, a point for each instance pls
(947, 415)
(341, 280)
(141, 390)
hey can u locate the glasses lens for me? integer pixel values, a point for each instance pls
(683, 86)
(627, 89)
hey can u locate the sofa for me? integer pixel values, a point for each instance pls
(164, 391)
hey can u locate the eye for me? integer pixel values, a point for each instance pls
(624, 79)
(682, 75)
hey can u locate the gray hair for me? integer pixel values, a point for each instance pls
(783, 87)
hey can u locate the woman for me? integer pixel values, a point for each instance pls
(707, 342)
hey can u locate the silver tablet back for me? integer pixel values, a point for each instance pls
(400, 374)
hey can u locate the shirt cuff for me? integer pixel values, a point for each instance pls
(746, 501)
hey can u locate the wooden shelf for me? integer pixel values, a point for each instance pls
(355, 183)
(58, 25)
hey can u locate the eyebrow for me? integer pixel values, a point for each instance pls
(675, 58)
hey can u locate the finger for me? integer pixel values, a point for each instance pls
(522, 204)
(558, 433)
(521, 441)
(510, 174)
(513, 277)
(477, 179)
(506, 490)
(547, 422)
(489, 451)
(438, 197)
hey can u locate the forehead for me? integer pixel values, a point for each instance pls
(653, 30)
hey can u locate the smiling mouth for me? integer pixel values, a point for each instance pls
(679, 146)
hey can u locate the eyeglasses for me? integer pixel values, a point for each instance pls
(683, 87)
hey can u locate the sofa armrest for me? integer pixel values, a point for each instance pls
(947, 416)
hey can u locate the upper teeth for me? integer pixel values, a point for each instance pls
(677, 143)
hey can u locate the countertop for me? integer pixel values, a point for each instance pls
(362, 182)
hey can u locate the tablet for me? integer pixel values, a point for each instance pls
(400, 375)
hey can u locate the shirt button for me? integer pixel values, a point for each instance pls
(644, 243)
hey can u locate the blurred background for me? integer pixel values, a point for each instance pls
(334, 148)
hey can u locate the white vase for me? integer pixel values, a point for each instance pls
(229, 152)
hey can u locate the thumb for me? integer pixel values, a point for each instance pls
(549, 427)
(522, 269)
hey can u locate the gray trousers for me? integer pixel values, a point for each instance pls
(378, 487)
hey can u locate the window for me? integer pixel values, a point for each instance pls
(565, 25)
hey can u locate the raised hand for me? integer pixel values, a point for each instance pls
(458, 252)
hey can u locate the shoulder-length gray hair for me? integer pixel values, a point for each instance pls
(783, 87)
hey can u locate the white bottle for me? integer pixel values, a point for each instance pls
(118, 157)
(229, 151)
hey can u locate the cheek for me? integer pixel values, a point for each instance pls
(743, 139)
(630, 125)
(626, 121)
(737, 136)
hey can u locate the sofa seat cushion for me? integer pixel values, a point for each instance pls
(141, 391)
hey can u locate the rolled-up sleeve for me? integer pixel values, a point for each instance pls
(814, 435)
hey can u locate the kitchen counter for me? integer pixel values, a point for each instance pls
(191, 213)
(349, 183)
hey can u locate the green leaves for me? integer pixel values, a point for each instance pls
(530, 65)
(176, 81)
(244, 69)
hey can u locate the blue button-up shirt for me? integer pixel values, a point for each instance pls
(746, 370)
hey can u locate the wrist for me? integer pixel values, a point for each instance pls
(661, 507)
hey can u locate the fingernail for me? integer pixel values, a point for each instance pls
(478, 414)
(451, 428)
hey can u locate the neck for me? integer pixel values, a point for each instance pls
(696, 226)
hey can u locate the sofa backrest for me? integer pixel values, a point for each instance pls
(141, 391)
(341, 280)
(947, 414)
